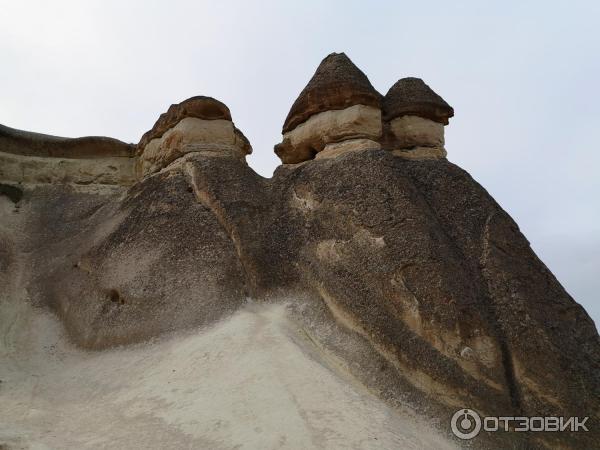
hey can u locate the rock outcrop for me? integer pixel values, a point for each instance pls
(414, 117)
(412, 97)
(336, 84)
(339, 110)
(402, 270)
(27, 157)
(199, 107)
(198, 124)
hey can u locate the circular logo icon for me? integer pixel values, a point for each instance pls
(465, 424)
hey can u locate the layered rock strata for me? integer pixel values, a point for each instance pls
(339, 105)
(198, 124)
(339, 111)
(413, 119)
(27, 157)
(403, 272)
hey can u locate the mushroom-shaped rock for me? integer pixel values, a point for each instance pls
(338, 104)
(411, 96)
(198, 124)
(336, 84)
(414, 117)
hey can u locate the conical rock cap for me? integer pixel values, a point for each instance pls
(411, 96)
(336, 84)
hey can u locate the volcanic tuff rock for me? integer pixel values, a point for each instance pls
(338, 104)
(411, 96)
(201, 107)
(404, 270)
(413, 120)
(198, 124)
(336, 84)
(26, 143)
(339, 111)
(40, 158)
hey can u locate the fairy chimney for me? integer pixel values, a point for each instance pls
(413, 118)
(198, 124)
(339, 110)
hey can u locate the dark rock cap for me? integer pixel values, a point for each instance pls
(200, 107)
(26, 143)
(336, 84)
(411, 96)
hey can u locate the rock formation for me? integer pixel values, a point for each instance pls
(338, 110)
(198, 124)
(38, 158)
(398, 266)
(414, 118)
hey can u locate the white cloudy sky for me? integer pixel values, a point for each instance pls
(522, 76)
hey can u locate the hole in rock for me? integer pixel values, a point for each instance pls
(311, 152)
(115, 297)
(12, 192)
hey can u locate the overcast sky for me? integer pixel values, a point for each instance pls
(523, 78)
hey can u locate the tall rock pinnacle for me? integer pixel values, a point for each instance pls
(338, 110)
(336, 84)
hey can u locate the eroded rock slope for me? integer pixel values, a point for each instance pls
(436, 297)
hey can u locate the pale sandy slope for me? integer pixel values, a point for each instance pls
(250, 382)
(253, 381)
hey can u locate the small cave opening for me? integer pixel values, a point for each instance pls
(14, 193)
(115, 297)
(310, 152)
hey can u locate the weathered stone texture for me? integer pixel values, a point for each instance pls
(336, 84)
(411, 96)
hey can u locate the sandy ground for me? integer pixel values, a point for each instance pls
(252, 381)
